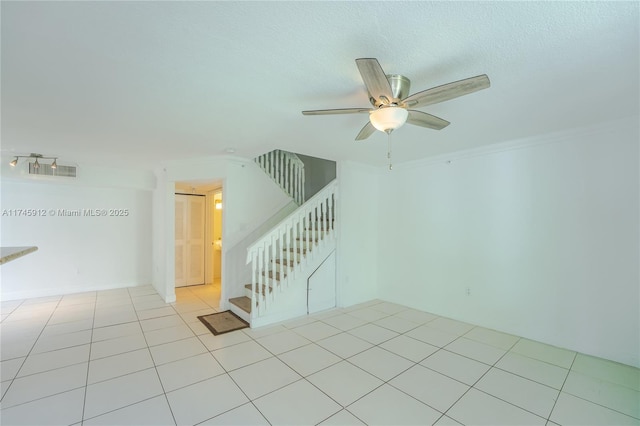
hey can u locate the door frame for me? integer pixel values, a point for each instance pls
(166, 200)
(210, 228)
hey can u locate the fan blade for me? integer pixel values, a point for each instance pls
(336, 111)
(447, 91)
(429, 121)
(366, 131)
(375, 79)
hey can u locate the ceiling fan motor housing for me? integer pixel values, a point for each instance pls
(400, 87)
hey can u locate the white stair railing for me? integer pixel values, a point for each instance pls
(282, 252)
(287, 170)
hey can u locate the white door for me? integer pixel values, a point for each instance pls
(321, 286)
(195, 243)
(189, 239)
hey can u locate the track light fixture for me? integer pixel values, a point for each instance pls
(36, 163)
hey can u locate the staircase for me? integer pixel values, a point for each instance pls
(285, 169)
(282, 260)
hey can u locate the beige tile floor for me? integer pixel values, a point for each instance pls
(124, 357)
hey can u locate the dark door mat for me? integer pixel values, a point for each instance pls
(223, 322)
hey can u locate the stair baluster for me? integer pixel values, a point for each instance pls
(311, 235)
(287, 170)
(272, 264)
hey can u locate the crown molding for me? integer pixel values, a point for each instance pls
(633, 122)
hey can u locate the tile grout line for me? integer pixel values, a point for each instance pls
(585, 399)
(562, 387)
(155, 367)
(494, 366)
(530, 379)
(301, 376)
(356, 366)
(440, 348)
(29, 353)
(86, 386)
(384, 382)
(90, 342)
(250, 401)
(127, 374)
(226, 372)
(480, 378)
(507, 351)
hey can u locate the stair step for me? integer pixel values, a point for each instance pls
(304, 243)
(283, 268)
(314, 232)
(243, 303)
(305, 239)
(299, 250)
(264, 287)
(290, 263)
(321, 220)
(321, 227)
(270, 274)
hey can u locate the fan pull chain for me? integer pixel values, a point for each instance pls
(389, 150)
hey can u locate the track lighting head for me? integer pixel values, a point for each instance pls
(36, 163)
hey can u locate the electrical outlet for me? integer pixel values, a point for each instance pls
(468, 291)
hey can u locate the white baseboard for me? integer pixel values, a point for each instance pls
(48, 292)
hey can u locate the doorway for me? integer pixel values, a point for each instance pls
(198, 240)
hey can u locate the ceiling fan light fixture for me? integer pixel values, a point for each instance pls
(388, 118)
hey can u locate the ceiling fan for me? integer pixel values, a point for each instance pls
(389, 95)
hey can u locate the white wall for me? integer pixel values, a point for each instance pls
(318, 172)
(545, 236)
(76, 254)
(163, 201)
(358, 206)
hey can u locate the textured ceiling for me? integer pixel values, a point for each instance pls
(136, 83)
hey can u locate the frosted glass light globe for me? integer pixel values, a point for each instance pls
(388, 118)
